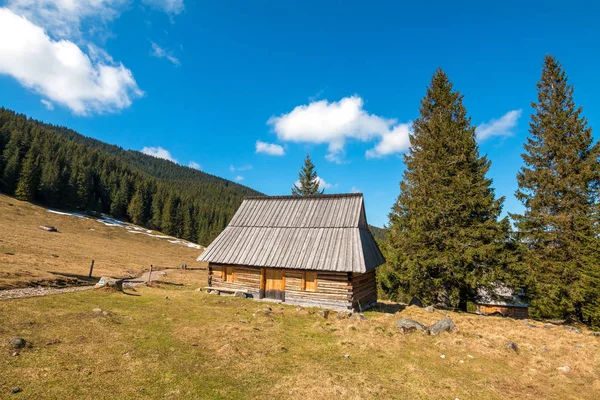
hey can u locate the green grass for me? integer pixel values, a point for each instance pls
(151, 347)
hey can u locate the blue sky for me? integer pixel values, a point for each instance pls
(245, 89)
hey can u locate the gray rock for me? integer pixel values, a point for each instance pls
(409, 325)
(443, 325)
(358, 316)
(224, 348)
(325, 313)
(430, 309)
(199, 289)
(530, 325)
(18, 343)
(48, 228)
(240, 294)
(16, 390)
(512, 346)
(299, 308)
(346, 355)
(106, 281)
(573, 329)
(97, 310)
(595, 334)
(415, 301)
(548, 326)
(564, 369)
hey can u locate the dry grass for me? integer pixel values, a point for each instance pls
(30, 256)
(195, 345)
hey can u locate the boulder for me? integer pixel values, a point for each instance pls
(573, 329)
(512, 346)
(358, 316)
(240, 294)
(409, 325)
(48, 228)
(594, 333)
(109, 282)
(97, 310)
(415, 301)
(430, 309)
(564, 369)
(225, 348)
(18, 343)
(16, 390)
(443, 325)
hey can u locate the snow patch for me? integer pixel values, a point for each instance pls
(108, 221)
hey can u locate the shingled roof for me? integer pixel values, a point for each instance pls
(324, 233)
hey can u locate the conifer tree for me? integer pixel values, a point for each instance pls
(445, 239)
(135, 210)
(12, 162)
(558, 186)
(29, 177)
(308, 182)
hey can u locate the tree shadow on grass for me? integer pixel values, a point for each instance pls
(387, 308)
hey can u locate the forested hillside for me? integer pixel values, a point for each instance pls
(60, 168)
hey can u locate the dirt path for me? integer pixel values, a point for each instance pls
(46, 291)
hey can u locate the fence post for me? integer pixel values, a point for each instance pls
(91, 269)
(150, 274)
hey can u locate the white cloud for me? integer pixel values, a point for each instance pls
(159, 52)
(60, 71)
(499, 127)
(159, 152)
(64, 18)
(354, 190)
(239, 178)
(269, 148)
(334, 123)
(172, 7)
(246, 167)
(192, 164)
(48, 104)
(395, 141)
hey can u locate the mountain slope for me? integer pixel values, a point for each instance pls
(58, 167)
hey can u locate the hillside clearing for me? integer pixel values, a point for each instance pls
(173, 342)
(30, 256)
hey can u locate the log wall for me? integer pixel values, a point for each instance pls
(244, 278)
(364, 289)
(333, 289)
(507, 311)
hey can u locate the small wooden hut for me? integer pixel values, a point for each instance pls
(502, 300)
(306, 250)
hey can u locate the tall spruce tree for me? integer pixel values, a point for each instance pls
(308, 180)
(559, 186)
(445, 239)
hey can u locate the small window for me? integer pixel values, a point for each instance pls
(227, 275)
(309, 281)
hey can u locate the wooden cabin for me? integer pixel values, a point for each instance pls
(502, 300)
(305, 250)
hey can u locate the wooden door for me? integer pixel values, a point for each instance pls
(274, 284)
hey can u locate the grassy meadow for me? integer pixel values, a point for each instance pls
(171, 341)
(30, 256)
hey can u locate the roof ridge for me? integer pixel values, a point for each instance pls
(312, 196)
